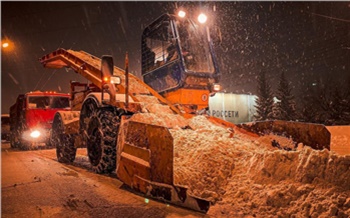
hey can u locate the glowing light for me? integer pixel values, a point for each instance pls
(105, 79)
(35, 134)
(115, 80)
(202, 18)
(5, 45)
(146, 200)
(181, 13)
(217, 87)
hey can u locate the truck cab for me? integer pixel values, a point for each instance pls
(32, 115)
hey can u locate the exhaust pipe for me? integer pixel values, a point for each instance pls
(126, 80)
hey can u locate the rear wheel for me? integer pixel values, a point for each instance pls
(14, 142)
(64, 143)
(102, 133)
(25, 146)
(48, 144)
(87, 109)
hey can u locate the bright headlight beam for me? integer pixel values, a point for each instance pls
(181, 14)
(202, 18)
(35, 134)
(115, 80)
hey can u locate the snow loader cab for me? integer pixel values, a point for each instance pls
(178, 61)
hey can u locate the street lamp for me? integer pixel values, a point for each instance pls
(7, 45)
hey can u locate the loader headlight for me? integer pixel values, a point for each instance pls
(35, 134)
(112, 79)
(181, 13)
(202, 18)
(216, 87)
(115, 80)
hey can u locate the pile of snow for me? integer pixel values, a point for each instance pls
(168, 120)
(245, 175)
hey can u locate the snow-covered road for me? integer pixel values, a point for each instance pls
(34, 184)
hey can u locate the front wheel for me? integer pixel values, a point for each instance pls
(102, 134)
(64, 143)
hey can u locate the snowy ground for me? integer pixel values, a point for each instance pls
(35, 185)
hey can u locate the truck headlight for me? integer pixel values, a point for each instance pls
(35, 134)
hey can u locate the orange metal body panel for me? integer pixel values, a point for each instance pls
(187, 97)
(142, 154)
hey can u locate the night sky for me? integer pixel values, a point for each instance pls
(309, 41)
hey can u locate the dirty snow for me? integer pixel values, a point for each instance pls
(244, 175)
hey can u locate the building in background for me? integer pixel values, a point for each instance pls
(234, 108)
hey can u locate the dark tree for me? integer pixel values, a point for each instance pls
(308, 106)
(310, 110)
(285, 107)
(338, 111)
(264, 101)
(326, 103)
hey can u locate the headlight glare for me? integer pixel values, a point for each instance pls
(202, 18)
(35, 134)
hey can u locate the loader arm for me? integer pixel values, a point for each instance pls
(89, 67)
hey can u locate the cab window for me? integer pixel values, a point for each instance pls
(159, 47)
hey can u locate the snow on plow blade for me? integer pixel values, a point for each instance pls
(145, 163)
(315, 136)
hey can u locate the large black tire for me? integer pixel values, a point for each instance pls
(64, 143)
(87, 109)
(25, 145)
(102, 132)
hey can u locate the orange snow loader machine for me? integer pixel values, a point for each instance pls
(124, 122)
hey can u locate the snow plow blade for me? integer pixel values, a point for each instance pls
(315, 136)
(145, 163)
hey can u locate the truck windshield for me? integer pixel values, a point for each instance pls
(47, 102)
(195, 47)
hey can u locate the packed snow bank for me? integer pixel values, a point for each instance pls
(245, 175)
(305, 166)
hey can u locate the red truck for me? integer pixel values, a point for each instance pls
(32, 115)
